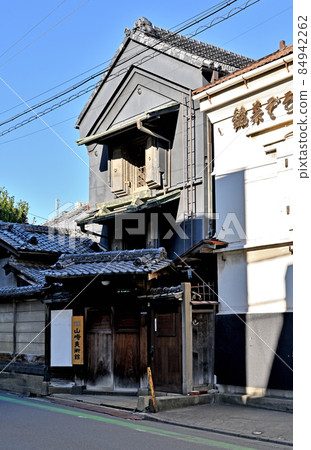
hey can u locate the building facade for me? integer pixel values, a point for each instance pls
(26, 252)
(249, 115)
(149, 191)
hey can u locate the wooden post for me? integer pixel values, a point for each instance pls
(155, 406)
(14, 329)
(187, 376)
(143, 350)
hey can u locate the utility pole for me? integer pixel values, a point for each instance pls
(57, 207)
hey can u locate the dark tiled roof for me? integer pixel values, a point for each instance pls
(40, 239)
(111, 208)
(110, 263)
(164, 41)
(201, 49)
(22, 290)
(32, 271)
(170, 292)
(253, 65)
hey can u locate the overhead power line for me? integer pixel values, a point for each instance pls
(32, 28)
(55, 87)
(49, 100)
(45, 32)
(226, 3)
(193, 20)
(89, 88)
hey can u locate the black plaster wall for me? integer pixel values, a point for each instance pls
(230, 350)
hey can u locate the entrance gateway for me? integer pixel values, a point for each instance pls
(126, 333)
(122, 342)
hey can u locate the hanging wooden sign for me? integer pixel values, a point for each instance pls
(77, 339)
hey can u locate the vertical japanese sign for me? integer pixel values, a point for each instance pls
(77, 339)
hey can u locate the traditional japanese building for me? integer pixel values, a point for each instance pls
(149, 192)
(149, 297)
(26, 252)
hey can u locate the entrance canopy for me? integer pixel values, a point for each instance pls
(129, 124)
(131, 203)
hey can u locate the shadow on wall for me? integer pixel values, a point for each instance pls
(230, 357)
(282, 365)
(230, 205)
(247, 359)
(289, 288)
(253, 350)
(103, 165)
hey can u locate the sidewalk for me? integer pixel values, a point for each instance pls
(243, 421)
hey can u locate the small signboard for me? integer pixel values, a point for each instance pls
(61, 341)
(77, 339)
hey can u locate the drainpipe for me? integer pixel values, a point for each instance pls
(191, 165)
(184, 184)
(210, 193)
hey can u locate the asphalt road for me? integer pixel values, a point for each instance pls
(31, 424)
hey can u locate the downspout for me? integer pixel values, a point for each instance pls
(210, 190)
(184, 184)
(191, 165)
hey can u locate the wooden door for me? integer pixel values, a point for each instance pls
(99, 348)
(166, 357)
(203, 331)
(126, 350)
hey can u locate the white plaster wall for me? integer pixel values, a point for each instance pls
(262, 335)
(232, 282)
(258, 193)
(251, 182)
(269, 280)
(255, 281)
(253, 170)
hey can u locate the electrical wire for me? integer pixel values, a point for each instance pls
(88, 89)
(258, 25)
(79, 84)
(226, 3)
(55, 87)
(38, 131)
(74, 117)
(36, 215)
(32, 28)
(45, 32)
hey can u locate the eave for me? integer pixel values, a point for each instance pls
(259, 67)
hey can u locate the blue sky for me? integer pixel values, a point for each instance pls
(39, 165)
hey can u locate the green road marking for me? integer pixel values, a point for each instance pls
(158, 431)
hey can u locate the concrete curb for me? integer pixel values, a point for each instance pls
(131, 415)
(111, 411)
(166, 403)
(272, 403)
